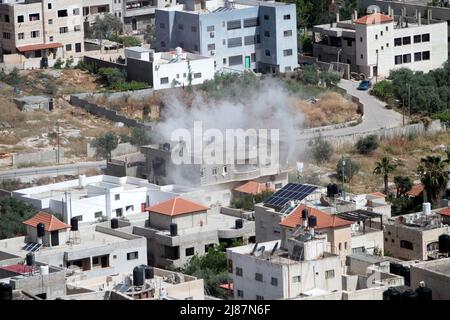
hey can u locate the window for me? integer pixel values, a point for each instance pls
(426, 55)
(33, 17)
(212, 46)
(259, 277)
(287, 17)
(398, 59)
(98, 214)
(214, 172)
(253, 57)
(164, 80)
(20, 19)
(21, 36)
(50, 38)
(345, 245)
(76, 11)
(132, 255)
(287, 33)
(100, 261)
(426, 37)
(194, 29)
(62, 13)
(406, 40)
(225, 170)
(197, 75)
(234, 24)
(387, 28)
(258, 39)
(34, 34)
(77, 28)
(240, 293)
(249, 40)
(360, 39)
(180, 26)
(50, 21)
(189, 251)
(340, 246)
(239, 272)
(376, 37)
(234, 42)
(259, 297)
(381, 33)
(210, 28)
(329, 274)
(433, 246)
(162, 25)
(405, 244)
(119, 212)
(253, 22)
(63, 29)
(6, 17)
(274, 282)
(235, 60)
(387, 45)
(163, 44)
(362, 56)
(296, 279)
(397, 42)
(417, 38)
(266, 17)
(266, 33)
(117, 197)
(287, 52)
(224, 60)
(267, 53)
(49, 6)
(407, 58)
(172, 253)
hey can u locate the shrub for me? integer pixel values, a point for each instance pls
(309, 75)
(321, 150)
(384, 90)
(367, 144)
(330, 78)
(111, 76)
(348, 170)
(58, 64)
(126, 86)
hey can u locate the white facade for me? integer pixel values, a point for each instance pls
(95, 197)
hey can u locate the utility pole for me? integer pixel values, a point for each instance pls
(343, 179)
(58, 155)
(338, 60)
(376, 74)
(409, 101)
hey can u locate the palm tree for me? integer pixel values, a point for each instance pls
(384, 168)
(434, 177)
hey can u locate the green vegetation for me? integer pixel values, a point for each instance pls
(402, 185)
(13, 78)
(126, 41)
(128, 86)
(230, 85)
(104, 27)
(115, 79)
(311, 75)
(247, 202)
(149, 34)
(12, 213)
(433, 174)
(385, 91)
(58, 64)
(321, 150)
(105, 144)
(384, 167)
(367, 145)
(139, 136)
(346, 169)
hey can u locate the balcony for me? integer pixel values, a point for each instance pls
(140, 11)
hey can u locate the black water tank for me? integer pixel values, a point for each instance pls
(30, 259)
(239, 223)
(149, 272)
(138, 276)
(409, 295)
(391, 294)
(424, 293)
(40, 230)
(444, 243)
(332, 190)
(5, 291)
(395, 268)
(304, 214)
(114, 223)
(405, 272)
(173, 229)
(312, 221)
(74, 224)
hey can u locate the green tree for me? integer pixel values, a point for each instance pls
(321, 150)
(433, 174)
(105, 144)
(247, 202)
(139, 137)
(149, 34)
(403, 185)
(12, 213)
(330, 77)
(347, 168)
(111, 76)
(384, 167)
(310, 75)
(367, 145)
(104, 26)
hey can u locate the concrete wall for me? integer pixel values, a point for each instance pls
(53, 284)
(122, 148)
(45, 156)
(438, 281)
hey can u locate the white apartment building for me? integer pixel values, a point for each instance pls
(98, 197)
(46, 29)
(377, 43)
(171, 69)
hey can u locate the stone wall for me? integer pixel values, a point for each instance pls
(46, 156)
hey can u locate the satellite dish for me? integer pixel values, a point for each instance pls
(275, 247)
(260, 251)
(254, 248)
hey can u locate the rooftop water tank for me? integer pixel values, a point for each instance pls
(239, 223)
(391, 294)
(312, 221)
(5, 291)
(426, 206)
(138, 276)
(30, 259)
(424, 292)
(173, 229)
(444, 243)
(74, 224)
(82, 181)
(40, 230)
(409, 295)
(114, 223)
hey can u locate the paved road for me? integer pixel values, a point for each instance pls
(376, 116)
(71, 169)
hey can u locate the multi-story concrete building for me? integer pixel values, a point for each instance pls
(435, 274)
(414, 236)
(377, 43)
(98, 197)
(238, 34)
(41, 29)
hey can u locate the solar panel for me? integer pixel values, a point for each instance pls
(291, 191)
(32, 246)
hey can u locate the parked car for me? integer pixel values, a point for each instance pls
(365, 85)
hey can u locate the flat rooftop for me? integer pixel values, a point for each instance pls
(6, 256)
(441, 266)
(219, 6)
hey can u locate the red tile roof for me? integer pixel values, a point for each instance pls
(50, 221)
(18, 268)
(378, 194)
(416, 190)
(374, 18)
(324, 220)
(34, 47)
(445, 212)
(226, 286)
(253, 187)
(176, 206)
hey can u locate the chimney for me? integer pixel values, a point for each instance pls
(389, 10)
(337, 17)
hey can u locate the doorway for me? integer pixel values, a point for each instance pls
(54, 235)
(247, 62)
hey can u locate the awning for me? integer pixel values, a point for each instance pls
(42, 46)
